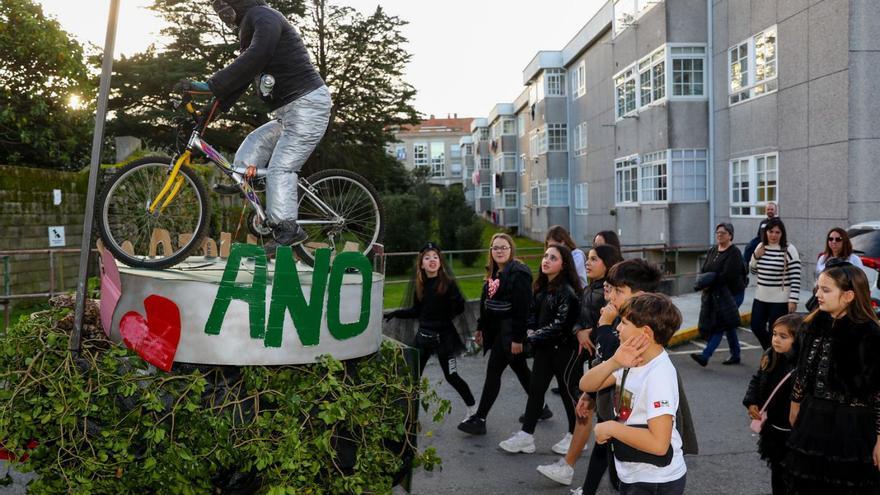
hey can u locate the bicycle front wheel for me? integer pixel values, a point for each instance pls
(157, 240)
(342, 212)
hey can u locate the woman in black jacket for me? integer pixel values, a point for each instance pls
(436, 301)
(501, 328)
(555, 308)
(722, 280)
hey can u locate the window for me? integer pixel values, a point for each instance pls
(581, 200)
(542, 193)
(580, 139)
(554, 80)
(468, 149)
(626, 12)
(538, 142)
(524, 203)
(626, 181)
(505, 162)
(503, 126)
(687, 70)
(481, 134)
(485, 163)
(689, 169)
(557, 137)
(579, 80)
(558, 192)
(652, 171)
(534, 191)
(508, 198)
(752, 67)
(625, 91)
(454, 151)
(652, 77)
(522, 164)
(438, 159)
(753, 183)
(486, 190)
(521, 125)
(420, 154)
(455, 169)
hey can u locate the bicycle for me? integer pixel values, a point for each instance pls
(156, 202)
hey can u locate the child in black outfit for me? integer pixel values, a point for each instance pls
(777, 366)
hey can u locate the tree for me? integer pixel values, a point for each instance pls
(42, 75)
(361, 58)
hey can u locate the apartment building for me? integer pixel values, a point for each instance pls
(660, 119)
(434, 144)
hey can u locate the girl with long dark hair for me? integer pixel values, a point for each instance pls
(555, 307)
(501, 328)
(778, 267)
(436, 300)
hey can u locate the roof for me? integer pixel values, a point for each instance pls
(439, 125)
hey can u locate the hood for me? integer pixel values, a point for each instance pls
(241, 7)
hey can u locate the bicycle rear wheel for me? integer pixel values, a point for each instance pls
(144, 240)
(356, 222)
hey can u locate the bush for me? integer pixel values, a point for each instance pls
(470, 236)
(107, 422)
(406, 229)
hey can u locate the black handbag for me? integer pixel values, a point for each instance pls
(427, 339)
(626, 453)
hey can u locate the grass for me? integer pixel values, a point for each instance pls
(470, 279)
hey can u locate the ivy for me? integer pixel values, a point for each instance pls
(107, 422)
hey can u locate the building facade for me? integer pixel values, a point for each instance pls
(434, 144)
(660, 119)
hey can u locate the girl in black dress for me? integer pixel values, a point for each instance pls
(436, 301)
(777, 367)
(835, 402)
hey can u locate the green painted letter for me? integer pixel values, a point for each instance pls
(287, 295)
(343, 263)
(254, 295)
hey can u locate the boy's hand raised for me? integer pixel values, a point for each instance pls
(629, 354)
(607, 314)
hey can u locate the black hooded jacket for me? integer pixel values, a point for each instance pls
(505, 314)
(269, 45)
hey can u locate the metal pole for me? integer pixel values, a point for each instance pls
(97, 139)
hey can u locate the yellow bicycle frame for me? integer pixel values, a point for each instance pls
(173, 179)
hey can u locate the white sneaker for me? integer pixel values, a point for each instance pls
(519, 442)
(561, 447)
(578, 491)
(559, 472)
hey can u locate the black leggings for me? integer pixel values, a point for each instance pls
(550, 361)
(450, 372)
(499, 359)
(764, 314)
(600, 461)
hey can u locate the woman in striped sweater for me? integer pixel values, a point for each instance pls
(778, 267)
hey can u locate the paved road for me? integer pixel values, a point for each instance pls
(728, 462)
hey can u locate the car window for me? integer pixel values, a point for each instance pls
(867, 243)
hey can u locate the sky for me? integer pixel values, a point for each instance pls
(468, 55)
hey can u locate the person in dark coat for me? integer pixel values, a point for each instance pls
(501, 328)
(722, 280)
(436, 300)
(275, 61)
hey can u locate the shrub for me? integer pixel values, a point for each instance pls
(406, 229)
(107, 422)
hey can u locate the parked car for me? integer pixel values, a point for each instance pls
(865, 238)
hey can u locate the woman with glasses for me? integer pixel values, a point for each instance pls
(722, 280)
(837, 245)
(501, 327)
(778, 267)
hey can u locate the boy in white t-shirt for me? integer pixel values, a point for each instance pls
(645, 442)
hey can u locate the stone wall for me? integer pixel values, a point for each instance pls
(27, 211)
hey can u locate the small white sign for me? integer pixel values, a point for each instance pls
(56, 236)
(56, 197)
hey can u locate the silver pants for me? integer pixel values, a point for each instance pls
(283, 145)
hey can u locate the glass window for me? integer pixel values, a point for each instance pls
(521, 125)
(485, 163)
(689, 167)
(486, 190)
(687, 76)
(581, 201)
(508, 198)
(752, 67)
(554, 80)
(579, 80)
(625, 91)
(438, 159)
(557, 137)
(626, 181)
(653, 175)
(580, 139)
(558, 192)
(543, 193)
(753, 183)
(420, 154)
(505, 162)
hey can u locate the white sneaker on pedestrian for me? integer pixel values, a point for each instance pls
(519, 442)
(559, 472)
(577, 491)
(561, 447)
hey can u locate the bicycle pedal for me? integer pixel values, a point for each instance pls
(227, 189)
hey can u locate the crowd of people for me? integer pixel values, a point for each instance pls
(596, 323)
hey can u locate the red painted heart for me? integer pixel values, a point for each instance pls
(154, 338)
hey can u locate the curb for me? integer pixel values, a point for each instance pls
(685, 335)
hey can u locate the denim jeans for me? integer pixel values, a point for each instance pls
(732, 338)
(669, 488)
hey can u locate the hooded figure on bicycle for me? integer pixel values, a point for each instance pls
(274, 59)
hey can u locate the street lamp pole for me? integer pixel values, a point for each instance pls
(97, 140)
